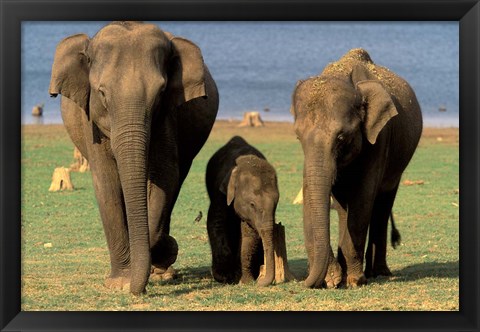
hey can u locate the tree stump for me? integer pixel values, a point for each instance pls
(61, 180)
(37, 110)
(80, 162)
(251, 119)
(282, 271)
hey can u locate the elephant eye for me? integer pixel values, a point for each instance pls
(252, 205)
(103, 97)
(102, 93)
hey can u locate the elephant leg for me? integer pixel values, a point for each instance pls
(169, 170)
(161, 200)
(225, 260)
(163, 190)
(250, 243)
(163, 247)
(109, 196)
(353, 227)
(376, 255)
(342, 233)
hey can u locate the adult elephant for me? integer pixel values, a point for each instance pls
(139, 104)
(359, 125)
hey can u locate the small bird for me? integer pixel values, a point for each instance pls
(199, 217)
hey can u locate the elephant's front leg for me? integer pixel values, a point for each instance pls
(376, 255)
(353, 227)
(163, 189)
(163, 247)
(109, 196)
(250, 243)
(223, 234)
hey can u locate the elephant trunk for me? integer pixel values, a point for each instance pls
(130, 141)
(266, 235)
(318, 176)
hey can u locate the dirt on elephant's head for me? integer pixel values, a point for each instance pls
(260, 168)
(358, 54)
(358, 57)
(342, 75)
(344, 66)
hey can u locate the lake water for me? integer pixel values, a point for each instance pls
(256, 64)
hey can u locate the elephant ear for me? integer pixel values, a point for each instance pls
(378, 105)
(360, 73)
(187, 71)
(292, 105)
(70, 70)
(228, 184)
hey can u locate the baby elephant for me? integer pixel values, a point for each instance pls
(243, 192)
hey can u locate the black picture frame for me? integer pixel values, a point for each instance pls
(466, 12)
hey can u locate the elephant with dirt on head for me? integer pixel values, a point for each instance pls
(139, 103)
(359, 125)
(243, 190)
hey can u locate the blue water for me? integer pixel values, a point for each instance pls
(256, 64)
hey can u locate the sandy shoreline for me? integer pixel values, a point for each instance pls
(447, 133)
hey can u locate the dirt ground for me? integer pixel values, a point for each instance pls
(271, 130)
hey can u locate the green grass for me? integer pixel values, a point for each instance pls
(69, 275)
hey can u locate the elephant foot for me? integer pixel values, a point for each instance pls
(225, 276)
(159, 274)
(354, 281)
(248, 278)
(378, 270)
(334, 275)
(164, 253)
(118, 283)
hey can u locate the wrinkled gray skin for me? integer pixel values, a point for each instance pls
(139, 104)
(359, 125)
(243, 192)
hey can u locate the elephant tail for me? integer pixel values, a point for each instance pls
(395, 237)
